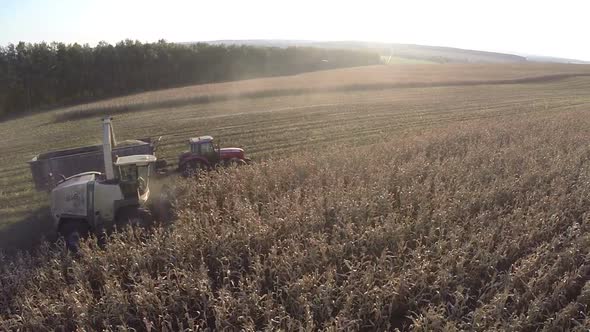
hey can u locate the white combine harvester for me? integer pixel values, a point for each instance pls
(92, 202)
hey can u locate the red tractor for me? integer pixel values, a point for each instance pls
(204, 155)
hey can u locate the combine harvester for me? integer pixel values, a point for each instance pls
(102, 194)
(90, 193)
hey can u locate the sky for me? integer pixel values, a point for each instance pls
(552, 28)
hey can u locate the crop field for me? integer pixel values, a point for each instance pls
(420, 197)
(341, 80)
(275, 126)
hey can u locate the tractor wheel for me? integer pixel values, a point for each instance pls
(235, 162)
(185, 171)
(72, 230)
(193, 168)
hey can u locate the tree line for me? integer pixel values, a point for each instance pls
(38, 75)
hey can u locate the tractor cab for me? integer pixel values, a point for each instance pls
(203, 146)
(204, 154)
(133, 174)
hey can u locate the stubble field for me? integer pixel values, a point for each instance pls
(456, 205)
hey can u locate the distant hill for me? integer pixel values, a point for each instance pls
(422, 53)
(393, 52)
(537, 58)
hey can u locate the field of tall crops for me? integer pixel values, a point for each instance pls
(477, 226)
(356, 105)
(450, 206)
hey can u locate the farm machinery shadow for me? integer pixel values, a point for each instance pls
(28, 233)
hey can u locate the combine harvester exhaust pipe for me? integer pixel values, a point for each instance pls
(108, 140)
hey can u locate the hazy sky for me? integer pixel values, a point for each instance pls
(557, 28)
